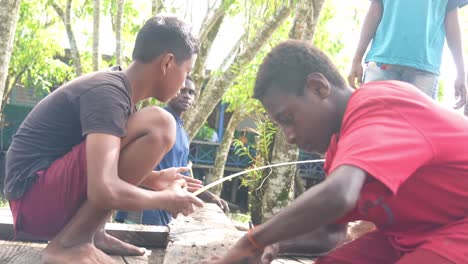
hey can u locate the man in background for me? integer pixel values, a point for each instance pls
(176, 157)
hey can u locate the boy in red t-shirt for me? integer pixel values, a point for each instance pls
(393, 157)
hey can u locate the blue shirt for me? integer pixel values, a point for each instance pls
(176, 157)
(412, 33)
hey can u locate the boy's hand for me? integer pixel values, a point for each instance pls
(209, 197)
(355, 74)
(179, 200)
(160, 180)
(241, 253)
(192, 183)
(460, 91)
(270, 253)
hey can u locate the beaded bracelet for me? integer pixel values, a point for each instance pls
(253, 241)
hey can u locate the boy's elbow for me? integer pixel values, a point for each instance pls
(344, 203)
(345, 184)
(104, 197)
(350, 200)
(344, 198)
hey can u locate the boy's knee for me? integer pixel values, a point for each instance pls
(161, 126)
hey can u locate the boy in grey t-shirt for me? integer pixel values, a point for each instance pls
(82, 149)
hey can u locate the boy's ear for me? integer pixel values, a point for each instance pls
(166, 62)
(318, 84)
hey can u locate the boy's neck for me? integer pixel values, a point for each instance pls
(140, 82)
(340, 99)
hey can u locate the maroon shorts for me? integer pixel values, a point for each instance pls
(54, 197)
(374, 248)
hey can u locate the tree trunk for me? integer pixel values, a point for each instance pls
(279, 189)
(280, 185)
(9, 85)
(96, 34)
(256, 206)
(157, 6)
(221, 154)
(118, 33)
(66, 19)
(314, 15)
(303, 10)
(205, 45)
(9, 14)
(217, 86)
(209, 30)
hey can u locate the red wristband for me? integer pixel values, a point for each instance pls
(253, 241)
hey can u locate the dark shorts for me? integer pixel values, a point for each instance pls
(55, 196)
(374, 248)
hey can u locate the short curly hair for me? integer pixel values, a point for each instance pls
(161, 34)
(288, 65)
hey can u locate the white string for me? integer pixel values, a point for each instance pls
(209, 186)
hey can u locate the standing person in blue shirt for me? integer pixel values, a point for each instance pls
(176, 157)
(407, 43)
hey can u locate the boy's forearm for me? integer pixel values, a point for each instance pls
(319, 241)
(369, 27)
(318, 206)
(454, 40)
(151, 182)
(125, 196)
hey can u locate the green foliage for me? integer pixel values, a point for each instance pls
(34, 61)
(266, 132)
(4, 203)
(323, 39)
(255, 180)
(239, 217)
(205, 133)
(239, 95)
(441, 91)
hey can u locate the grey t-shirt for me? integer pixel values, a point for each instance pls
(95, 103)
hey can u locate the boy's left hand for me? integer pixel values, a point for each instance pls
(164, 178)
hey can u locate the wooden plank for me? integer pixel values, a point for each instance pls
(196, 238)
(157, 256)
(135, 260)
(153, 256)
(118, 260)
(19, 252)
(139, 259)
(139, 235)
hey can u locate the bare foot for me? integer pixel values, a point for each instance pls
(82, 254)
(114, 246)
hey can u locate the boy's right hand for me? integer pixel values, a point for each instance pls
(179, 200)
(355, 74)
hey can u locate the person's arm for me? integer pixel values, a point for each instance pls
(320, 205)
(317, 242)
(107, 190)
(454, 41)
(209, 197)
(371, 23)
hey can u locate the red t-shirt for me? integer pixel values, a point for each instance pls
(416, 155)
